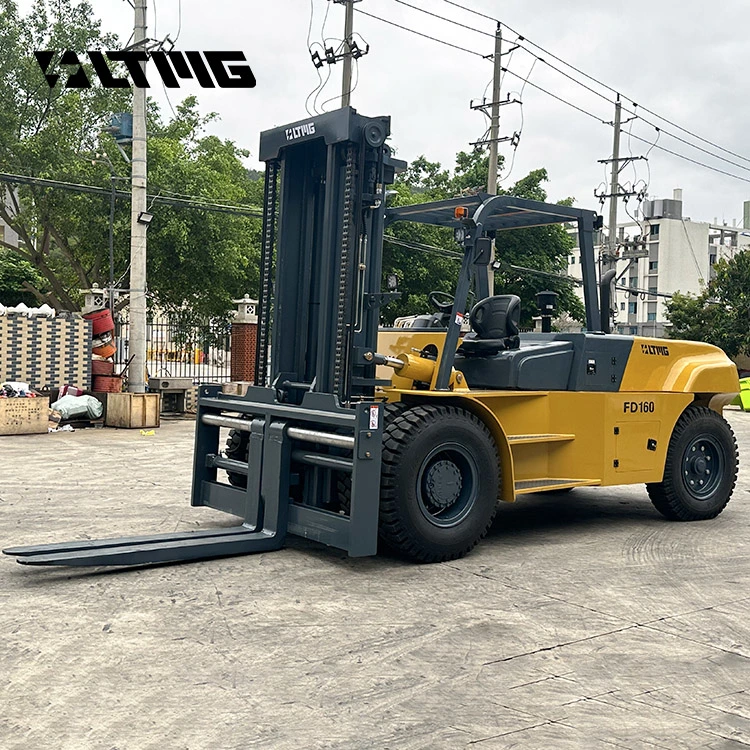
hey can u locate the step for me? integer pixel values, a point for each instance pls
(540, 438)
(545, 484)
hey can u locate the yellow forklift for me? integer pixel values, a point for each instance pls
(412, 436)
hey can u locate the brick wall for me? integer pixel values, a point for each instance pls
(244, 338)
(46, 353)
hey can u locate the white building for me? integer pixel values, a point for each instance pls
(675, 254)
(6, 233)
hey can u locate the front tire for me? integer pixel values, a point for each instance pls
(439, 483)
(700, 470)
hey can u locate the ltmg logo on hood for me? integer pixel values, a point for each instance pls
(657, 349)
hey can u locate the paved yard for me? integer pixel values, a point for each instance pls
(583, 621)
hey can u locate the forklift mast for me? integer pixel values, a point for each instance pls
(321, 261)
(311, 421)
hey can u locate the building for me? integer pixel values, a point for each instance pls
(665, 253)
(7, 235)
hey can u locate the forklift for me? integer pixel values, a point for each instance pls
(411, 437)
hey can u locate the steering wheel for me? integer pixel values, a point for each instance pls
(447, 301)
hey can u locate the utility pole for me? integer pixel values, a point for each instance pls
(492, 137)
(610, 258)
(346, 79)
(138, 226)
(112, 240)
(495, 116)
(347, 51)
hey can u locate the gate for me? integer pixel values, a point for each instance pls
(177, 349)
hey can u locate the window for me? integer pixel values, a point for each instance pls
(653, 265)
(632, 308)
(633, 330)
(633, 282)
(622, 306)
(572, 259)
(652, 290)
(712, 259)
(651, 316)
(654, 230)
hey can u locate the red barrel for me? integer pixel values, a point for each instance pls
(106, 350)
(107, 384)
(101, 321)
(102, 367)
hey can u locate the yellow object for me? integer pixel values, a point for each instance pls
(148, 433)
(743, 397)
(549, 440)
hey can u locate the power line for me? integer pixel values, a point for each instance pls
(632, 112)
(179, 20)
(196, 203)
(574, 106)
(636, 137)
(475, 12)
(443, 18)
(562, 99)
(555, 96)
(590, 89)
(692, 161)
(601, 83)
(419, 33)
(450, 254)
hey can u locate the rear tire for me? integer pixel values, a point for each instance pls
(236, 448)
(439, 484)
(700, 470)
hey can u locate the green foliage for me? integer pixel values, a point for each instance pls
(542, 249)
(200, 258)
(719, 315)
(16, 276)
(46, 133)
(197, 260)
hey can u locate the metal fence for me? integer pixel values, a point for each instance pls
(176, 350)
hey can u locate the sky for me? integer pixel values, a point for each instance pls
(683, 59)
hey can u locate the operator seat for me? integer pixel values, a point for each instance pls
(494, 326)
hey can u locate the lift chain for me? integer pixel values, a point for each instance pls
(266, 267)
(344, 271)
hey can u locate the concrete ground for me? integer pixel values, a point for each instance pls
(582, 621)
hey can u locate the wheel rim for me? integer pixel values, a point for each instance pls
(702, 467)
(447, 485)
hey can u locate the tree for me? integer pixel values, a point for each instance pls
(197, 260)
(543, 249)
(719, 315)
(45, 132)
(200, 258)
(17, 276)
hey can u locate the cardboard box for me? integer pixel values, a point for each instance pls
(23, 416)
(133, 410)
(236, 387)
